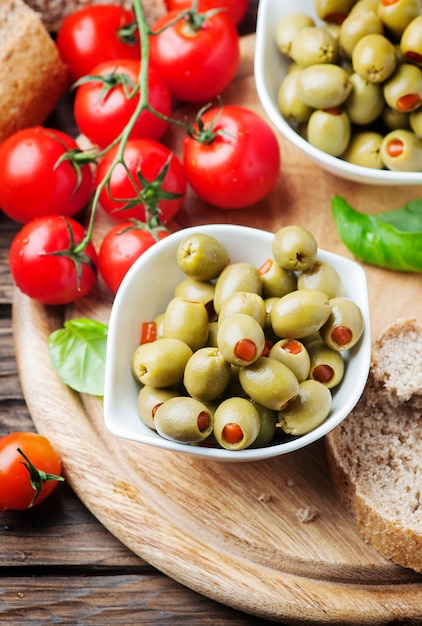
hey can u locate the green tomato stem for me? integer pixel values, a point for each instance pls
(37, 477)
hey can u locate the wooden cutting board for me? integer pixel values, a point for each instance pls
(269, 538)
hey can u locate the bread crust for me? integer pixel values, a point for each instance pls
(375, 454)
(52, 12)
(33, 77)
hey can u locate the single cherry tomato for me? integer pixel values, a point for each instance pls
(236, 10)
(159, 178)
(198, 56)
(29, 470)
(120, 248)
(45, 265)
(94, 34)
(103, 107)
(34, 182)
(232, 159)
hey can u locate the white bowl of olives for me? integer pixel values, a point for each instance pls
(316, 81)
(212, 379)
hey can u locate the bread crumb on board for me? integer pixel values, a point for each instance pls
(307, 514)
(33, 77)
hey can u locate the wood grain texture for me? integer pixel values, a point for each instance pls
(268, 538)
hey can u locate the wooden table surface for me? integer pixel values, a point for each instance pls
(58, 564)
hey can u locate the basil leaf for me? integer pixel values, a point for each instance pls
(78, 354)
(385, 240)
(407, 219)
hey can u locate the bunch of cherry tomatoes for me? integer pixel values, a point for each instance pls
(126, 86)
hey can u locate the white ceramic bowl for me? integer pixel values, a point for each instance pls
(271, 67)
(146, 291)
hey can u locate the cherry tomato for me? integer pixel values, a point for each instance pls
(33, 184)
(235, 9)
(102, 109)
(95, 34)
(120, 248)
(198, 57)
(158, 173)
(44, 265)
(239, 165)
(16, 491)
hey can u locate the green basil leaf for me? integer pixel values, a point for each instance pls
(382, 240)
(78, 354)
(407, 219)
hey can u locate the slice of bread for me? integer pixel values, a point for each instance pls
(33, 77)
(52, 12)
(375, 454)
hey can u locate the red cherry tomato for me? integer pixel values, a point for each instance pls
(147, 161)
(240, 165)
(198, 59)
(16, 491)
(44, 265)
(33, 184)
(94, 34)
(236, 10)
(102, 115)
(120, 248)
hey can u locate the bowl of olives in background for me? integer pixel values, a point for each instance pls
(342, 81)
(222, 344)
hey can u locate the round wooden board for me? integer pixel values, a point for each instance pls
(269, 538)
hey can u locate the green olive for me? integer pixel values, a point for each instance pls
(159, 323)
(323, 277)
(236, 277)
(150, 398)
(300, 313)
(365, 102)
(269, 303)
(267, 426)
(312, 45)
(202, 256)
(329, 131)
(244, 302)
(323, 85)
(327, 365)
(236, 423)
(333, 10)
(415, 121)
(269, 382)
(290, 105)
(365, 149)
(161, 363)
(364, 6)
(207, 374)
(241, 339)
(374, 58)
(212, 334)
(183, 419)
(195, 290)
(356, 26)
(403, 90)
(411, 41)
(276, 280)
(344, 327)
(294, 248)
(307, 411)
(187, 321)
(395, 120)
(401, 150)
(396, 16)
(287, 28)
(294, 355)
